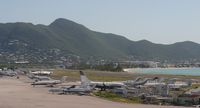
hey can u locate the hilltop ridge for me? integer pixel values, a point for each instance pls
(64, 37)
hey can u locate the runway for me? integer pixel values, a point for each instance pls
(18, 93)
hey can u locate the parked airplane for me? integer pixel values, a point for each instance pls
(41, 72)
(101, 85)
(177, 85)
(114, 84)
(38, 78)
(49, 82)
(80, 90)
(137, 83)
(10, 73)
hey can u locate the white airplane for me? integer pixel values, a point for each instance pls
(10, 73)
(80, 90)
(177, 85)
(41, 72)
(49, 82)
(38, 78)
(114, 84)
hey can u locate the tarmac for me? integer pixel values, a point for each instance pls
(18, 93)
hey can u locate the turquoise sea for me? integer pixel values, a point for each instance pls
(170, 71)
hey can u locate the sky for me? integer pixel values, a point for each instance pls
(159, 21)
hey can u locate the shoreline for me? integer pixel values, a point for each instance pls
(194, 72)
(125, 69)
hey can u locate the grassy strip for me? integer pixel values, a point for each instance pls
(94, 75)
(109, 76)
(117, 98)
(194, 86)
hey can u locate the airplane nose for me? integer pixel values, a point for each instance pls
(156, 78)
(81, 73)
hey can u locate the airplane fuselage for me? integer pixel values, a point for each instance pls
(107, 85)
(48, 82)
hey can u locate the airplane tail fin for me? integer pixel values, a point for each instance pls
(63, 79)
(30, 75)
(84, 79)
(137, 79)
(155, 78)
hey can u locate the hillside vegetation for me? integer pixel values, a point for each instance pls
(68, 37)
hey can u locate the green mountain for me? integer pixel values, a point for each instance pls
(63, 38)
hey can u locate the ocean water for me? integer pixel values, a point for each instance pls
(169, 71)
